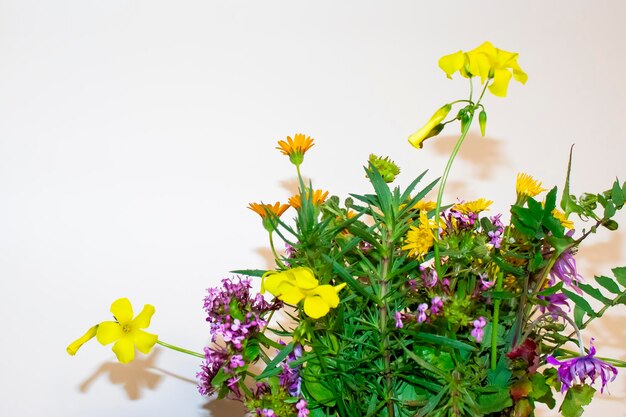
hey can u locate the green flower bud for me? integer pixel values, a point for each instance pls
(482, 122)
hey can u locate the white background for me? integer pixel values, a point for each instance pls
(134, 133)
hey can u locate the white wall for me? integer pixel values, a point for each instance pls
(134, 133)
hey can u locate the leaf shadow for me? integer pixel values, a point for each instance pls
(224, 408)
(484, 154)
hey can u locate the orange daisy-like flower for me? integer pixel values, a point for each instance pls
(295, 148)
(277, 209)
(318, 198)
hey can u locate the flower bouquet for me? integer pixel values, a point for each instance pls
(393, 305)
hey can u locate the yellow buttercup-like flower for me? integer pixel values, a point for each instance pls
(127, 332)
(487, 62)
(297, 284)
(420, 239)
(317, 198)
(560, 216)
(475, 206)
(295, 148)
(527, 186)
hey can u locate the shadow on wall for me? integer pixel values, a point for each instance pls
(485, 160)
(133, 377)
(224, 408)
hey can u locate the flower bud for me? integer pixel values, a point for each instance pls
(430, 129)
(482, 122)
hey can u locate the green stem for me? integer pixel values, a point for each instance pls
(384, 283)
(494, 324)
(442, 186)
(179, 349)
(276, 258)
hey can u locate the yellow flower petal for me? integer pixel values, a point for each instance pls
(500, 83)
(124, 349)
(143, 340)
(304, 278)
(452, 63)
(143, 319)
(271, 282)
(75, 345)
(109, 331)
(327, 293)
(315, 307)
(290, 294)
(122, 310)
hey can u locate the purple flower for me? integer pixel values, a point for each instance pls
(290, 377)
(565, 269)
(266, 412)
(576, 370)
(429, 277)
(215, 360)
(495, 236)
(365, 246)
(233, 384)
(236, 361)
(436, 305)
(485, 284)
(399, 323)
(421, 313)
(478, 332)
(301, 407)
(554, 301)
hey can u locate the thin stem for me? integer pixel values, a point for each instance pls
(384, 283)
(532, 325)
(494, 324)
(276, 258)
(179, 349)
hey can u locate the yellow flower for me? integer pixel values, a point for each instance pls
(475, 206)
(487, 62)
(420, 239)
(297, 284)
(262, 210)
(125, 331)
(295, 148)
(560, 216)
(430, 129)
(318, 198)
(527, 186)
(425, 205)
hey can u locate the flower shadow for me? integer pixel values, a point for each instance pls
(133, 377)
(224, 408)
(484, 154)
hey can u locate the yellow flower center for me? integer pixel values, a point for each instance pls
(126, 328)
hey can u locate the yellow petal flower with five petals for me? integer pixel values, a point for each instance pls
(126, 331)
(297, 284)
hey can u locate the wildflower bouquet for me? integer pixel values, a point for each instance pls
(393, 305)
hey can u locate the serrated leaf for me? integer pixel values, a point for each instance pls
(565, 198)
(620, 275)
(580, 302)
(407, 192)
(498, 401)
(609, 284)
(576, 397)
(594, 292)
(381, 188)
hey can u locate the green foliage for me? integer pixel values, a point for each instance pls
(576, 397)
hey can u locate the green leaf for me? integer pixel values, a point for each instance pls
(550, 201)
(594, 292)
(431, 405)
(500, 295)
(609, 210)
(620, 275)
(576, 397)
(498, 401)
(609, 284)
(249, 272)
(580, 302)
(565, 197)
(407, 192)
(311, 378)
(349, 279)
(551, 290)
(617, 195)
(271, 368)
(579, 316)
(381, 188)
(219, 378)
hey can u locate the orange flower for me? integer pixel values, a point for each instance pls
(295, 148)
(263, 209)
(319, 197)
